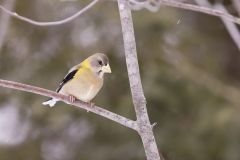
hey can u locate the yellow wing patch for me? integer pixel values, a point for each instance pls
(84, 66)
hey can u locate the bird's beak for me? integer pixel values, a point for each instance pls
(106, 69)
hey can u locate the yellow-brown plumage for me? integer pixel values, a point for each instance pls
(85, 88)
(84, 80)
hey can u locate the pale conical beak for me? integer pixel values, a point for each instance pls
(106, 69)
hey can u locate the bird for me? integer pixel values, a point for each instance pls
(83, 81)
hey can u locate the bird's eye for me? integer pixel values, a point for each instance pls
(100, 62)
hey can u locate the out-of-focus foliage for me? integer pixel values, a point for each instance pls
(190, 70)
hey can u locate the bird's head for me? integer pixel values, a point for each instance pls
(99, 64)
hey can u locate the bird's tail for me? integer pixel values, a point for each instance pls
(51, 102)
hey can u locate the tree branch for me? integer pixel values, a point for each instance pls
(95, 109)
(230, 26)
(4, 21)
(171, 3)
(210, 11)
(52, 23)
(139, 101)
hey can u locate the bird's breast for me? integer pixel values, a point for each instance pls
(84, 88)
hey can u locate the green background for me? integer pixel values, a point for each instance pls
(190, 70)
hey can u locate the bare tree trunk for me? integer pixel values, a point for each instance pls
(139, 101)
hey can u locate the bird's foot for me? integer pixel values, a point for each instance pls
(72, 98)
(91, 104)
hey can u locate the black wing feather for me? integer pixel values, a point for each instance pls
(67, 78)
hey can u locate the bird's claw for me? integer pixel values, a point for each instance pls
(72, 98)
(91, 104)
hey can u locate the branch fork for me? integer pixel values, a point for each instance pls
(95, 109)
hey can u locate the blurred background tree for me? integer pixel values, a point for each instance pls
(189, 66)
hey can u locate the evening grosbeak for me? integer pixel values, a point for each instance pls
(84, 80)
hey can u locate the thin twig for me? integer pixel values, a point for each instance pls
(52, 23)
(139, 101)
(230, 26)
(92, 108)
(171, 3)
(210, 11)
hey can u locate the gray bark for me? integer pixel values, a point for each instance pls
(78, 103)
(139, 101)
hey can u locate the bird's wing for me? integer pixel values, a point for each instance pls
(67, 78)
